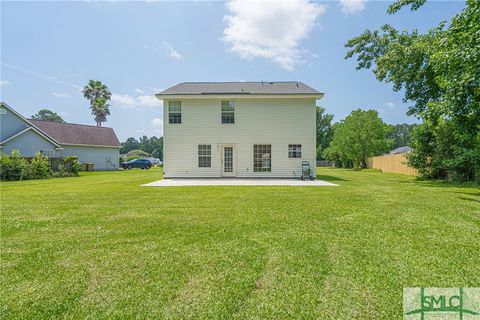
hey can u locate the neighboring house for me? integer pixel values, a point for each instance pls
(238, 129)
(98, 145)
(401, 150)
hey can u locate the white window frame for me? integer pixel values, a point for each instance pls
(265, 151)
(228, 111)
(174, 112)
(204, 152)
(294, 151)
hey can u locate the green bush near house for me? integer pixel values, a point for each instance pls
(71, 165)
(14, 167)
(39, 167)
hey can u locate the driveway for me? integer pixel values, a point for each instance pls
(238, 182)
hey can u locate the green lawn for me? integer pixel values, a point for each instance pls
(101, 246)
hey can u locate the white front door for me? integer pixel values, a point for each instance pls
(228, 161)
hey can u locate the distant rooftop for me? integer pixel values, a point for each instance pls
(257, 88)
(401, 150)
(70, 133)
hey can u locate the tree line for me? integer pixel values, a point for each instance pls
(152, 146)
(361, 135)
(439, 74)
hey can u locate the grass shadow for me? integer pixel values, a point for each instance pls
(475, 194)
(470, 199)
(330, 178)
(440, 184)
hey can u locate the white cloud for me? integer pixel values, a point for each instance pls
(352, 6)
(172, 52)
(61, 95)
(4, 82)
(270, 29)
(149, 101)
(390, 105)
(140, 91)
(135, 102)
(157, 122)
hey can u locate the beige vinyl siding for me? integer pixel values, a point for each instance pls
(257, 121)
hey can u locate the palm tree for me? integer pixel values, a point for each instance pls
(100, 110)
(98, 94)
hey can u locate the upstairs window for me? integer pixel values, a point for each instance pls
(228, 112)
(294, 150)
(262, 155)
(174, 112)
(204, 155)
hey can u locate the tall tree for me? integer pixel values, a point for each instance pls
(155, 153)
(130, 144)
(359, 136)
(48, 115)
(98, 94)
(324, 130)
(145, 144)
(439, 73)
(401, 134)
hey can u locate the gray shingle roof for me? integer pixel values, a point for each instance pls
(198, 88)
(70, 133)
(401, 150)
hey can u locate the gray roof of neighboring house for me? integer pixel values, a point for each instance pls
(401, 150)
(69, 133)
(263, 87)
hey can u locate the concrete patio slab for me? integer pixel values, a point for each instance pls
(238, 182)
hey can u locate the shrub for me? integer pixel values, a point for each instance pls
(441, 152)
(39, 167)
(61, 172)
(71, 165)
(75, 167)
(13, 166)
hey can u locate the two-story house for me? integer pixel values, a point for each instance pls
(238, 129)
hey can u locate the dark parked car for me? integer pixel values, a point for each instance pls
(137, 163)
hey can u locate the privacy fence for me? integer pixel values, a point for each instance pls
(395, 163)
(324, 163)
(56, 164)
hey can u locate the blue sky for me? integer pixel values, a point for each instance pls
(49, 50)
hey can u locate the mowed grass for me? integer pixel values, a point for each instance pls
(100, 246)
